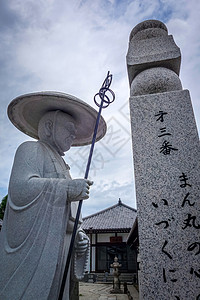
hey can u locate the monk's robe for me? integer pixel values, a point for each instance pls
(37, 226)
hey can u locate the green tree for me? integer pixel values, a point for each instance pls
(3, 206)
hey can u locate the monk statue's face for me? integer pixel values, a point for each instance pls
(57, 129)
(64, 132)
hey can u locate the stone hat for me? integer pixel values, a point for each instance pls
(26, 111)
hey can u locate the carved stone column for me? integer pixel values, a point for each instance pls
(166, 155)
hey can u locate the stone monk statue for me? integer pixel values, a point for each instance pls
(42, 197)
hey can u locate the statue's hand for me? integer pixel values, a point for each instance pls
(79, 189)
(82, 243)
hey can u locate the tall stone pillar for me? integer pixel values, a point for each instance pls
(166, 154)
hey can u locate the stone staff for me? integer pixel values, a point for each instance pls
(105, 102)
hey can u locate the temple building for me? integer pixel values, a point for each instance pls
(108, 231)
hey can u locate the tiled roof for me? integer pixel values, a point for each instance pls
(119, 217)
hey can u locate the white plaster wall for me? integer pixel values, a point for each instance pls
(104, 237)
(92, 241)
(124, 236)
(93, 238)
(93, 258)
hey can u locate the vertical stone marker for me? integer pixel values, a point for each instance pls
(166, 153)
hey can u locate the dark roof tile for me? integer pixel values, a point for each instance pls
(119, 216)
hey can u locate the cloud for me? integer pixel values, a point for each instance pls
(69, 46)
(106, 195)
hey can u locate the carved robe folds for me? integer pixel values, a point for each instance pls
(36, 230)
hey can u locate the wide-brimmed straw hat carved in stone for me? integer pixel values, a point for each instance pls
(26, 111)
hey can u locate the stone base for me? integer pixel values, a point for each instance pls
(116, 291)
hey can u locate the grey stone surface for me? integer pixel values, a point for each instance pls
(133, 292)
(168, 214)
(99, 291)
(42, 102)
(150, 46)
(39, 218)
(148, 25)
(116, 274)
(155, 80)
(166, 153)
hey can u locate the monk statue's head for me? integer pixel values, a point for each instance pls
(57, 129)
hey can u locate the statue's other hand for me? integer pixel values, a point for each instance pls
(79, 189)
(82, 243)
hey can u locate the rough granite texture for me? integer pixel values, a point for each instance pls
(166, 153)
(160, 196)
(148, 25)
(155, 80)
(151, 47)
(39, 217)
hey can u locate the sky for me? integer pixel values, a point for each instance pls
(69, 46)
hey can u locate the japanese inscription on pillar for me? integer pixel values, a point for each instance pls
(168, 205)
(166, 154)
